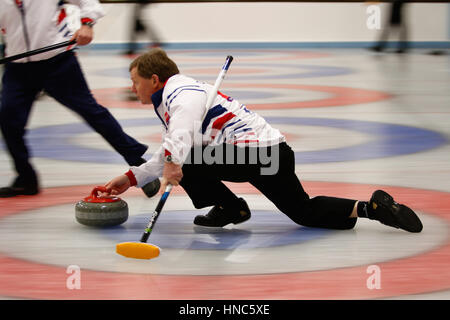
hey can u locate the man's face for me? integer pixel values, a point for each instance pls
(144, 88)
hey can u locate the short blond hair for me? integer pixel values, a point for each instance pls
(156, 62)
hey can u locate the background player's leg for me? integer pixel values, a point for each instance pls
(66, 83)
(20, 87)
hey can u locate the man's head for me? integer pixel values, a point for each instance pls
(149, 72)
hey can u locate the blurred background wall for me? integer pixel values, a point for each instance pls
(330, 24)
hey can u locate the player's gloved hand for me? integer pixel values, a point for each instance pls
(84, 35)
(118, 185)
(172, 174)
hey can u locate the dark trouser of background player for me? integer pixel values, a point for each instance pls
(62, 78)
(2, 55)
(203, 183)
(396, 23)
(403, 38)
(138, 27)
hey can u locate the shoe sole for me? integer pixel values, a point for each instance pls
(248, 216)
(200, 229)
(409, 220)
(18, 194)
(235, 223)
(406, 218)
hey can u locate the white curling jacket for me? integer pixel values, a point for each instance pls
(32, 24)
(181, 107)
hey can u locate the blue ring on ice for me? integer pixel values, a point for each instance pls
(384, 140)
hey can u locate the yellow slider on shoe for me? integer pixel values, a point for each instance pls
(137, 250)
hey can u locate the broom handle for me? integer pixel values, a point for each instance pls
(156, 213)
(217, 84)
(37, 51)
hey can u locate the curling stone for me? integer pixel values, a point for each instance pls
(101, 212)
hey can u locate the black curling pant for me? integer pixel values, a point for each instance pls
(62, 78)
(269, 169)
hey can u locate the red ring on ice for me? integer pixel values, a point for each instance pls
(425, 272)
(262, 55)
(339, 96)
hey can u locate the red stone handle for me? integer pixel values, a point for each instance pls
(95, 198)
(96, 190)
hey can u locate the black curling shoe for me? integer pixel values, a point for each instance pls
(384, 209)
(25, 185)
(220, 217)
(9, 192)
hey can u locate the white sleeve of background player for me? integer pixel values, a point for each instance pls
(91, 9)
(150, 170)
(2, 28)
(186, 112)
